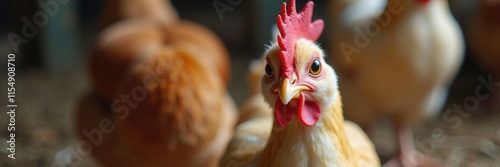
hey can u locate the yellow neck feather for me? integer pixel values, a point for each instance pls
(323, 144)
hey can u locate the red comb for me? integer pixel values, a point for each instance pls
(424, 1)
(294, 26)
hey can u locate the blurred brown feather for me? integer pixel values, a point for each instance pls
(162, 12)
(167, 88)
(483, 38)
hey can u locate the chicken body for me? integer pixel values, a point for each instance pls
(483, 32)
(483, 36)
(398, 62)
(163, 90)
(330, 142)
(308, 128)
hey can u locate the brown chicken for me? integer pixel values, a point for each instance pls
(160, 92)
(301, 93)
(161, 11)
(483, 38)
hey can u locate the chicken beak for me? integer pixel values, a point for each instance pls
(288, 91)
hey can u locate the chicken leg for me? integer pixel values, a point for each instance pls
(408, 156)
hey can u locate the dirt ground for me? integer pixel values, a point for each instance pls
(46, 107)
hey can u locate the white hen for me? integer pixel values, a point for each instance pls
(396, 60)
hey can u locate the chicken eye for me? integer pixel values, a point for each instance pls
(315, 68)
(269, 71)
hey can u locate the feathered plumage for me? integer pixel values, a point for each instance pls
(165, 90)
(301, 89)
(395, 61)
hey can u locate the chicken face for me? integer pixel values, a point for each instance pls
(297, 80)
(299, 90)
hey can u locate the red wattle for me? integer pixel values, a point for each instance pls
(309, 112)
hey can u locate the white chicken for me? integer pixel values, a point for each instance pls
(396, 60)
(302, 96)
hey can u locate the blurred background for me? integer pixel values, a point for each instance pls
(51, 75)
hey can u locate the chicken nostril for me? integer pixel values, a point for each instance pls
(294, 80)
